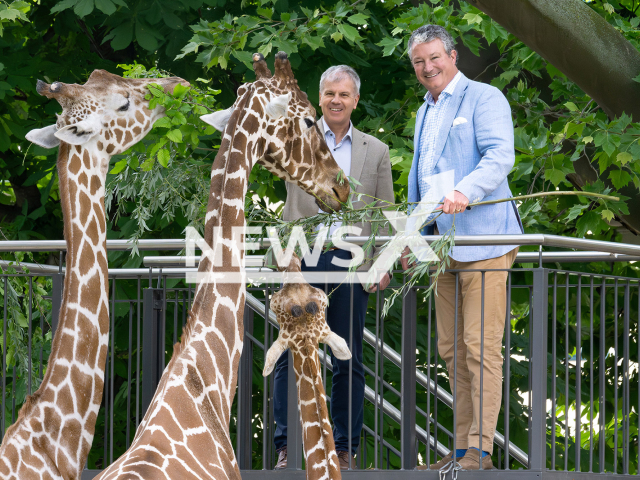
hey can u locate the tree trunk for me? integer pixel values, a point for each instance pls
(578, 42)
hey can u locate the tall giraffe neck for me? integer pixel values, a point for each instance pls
(57, 422)
(198, 386)
(319, 447)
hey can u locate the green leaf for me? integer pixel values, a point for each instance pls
(389, 45)
(145, 37)
(587, 139)
(624, 157)
(175, 135)
(245, 57)
(178, 119)
(122, 36)
(163, 122)
(349, 32)
(575, 211)
(556, 176)
(83, 8)
(619, 178)
(472, 18)
(314, 41)
(119, 166)
(358, 19)
(336, 36)
(607, 215)
(105, 6)
(510, 75)
(21, 319)
(163, 157)
(571, 106)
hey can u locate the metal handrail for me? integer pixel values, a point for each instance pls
(521, 257)
(542, 240)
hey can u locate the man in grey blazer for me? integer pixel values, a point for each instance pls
(365, 159)
(464, 132)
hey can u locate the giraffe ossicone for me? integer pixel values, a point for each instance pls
(185, 431)
(52, 435)
(300, 312)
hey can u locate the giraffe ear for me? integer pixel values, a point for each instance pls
(273, 354)
(219, 119)
(45, 137)
(78, 133)
(338, 346)
(279, 106)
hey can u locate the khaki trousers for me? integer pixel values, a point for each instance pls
(467, 399)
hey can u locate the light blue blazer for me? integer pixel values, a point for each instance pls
(481, 153)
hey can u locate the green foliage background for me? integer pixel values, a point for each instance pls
(159, 187)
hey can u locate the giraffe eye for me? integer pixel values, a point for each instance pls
(125, 107)
(309, 122)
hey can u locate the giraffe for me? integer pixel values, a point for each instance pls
(52, 435)
(185, 431)
(300, 311)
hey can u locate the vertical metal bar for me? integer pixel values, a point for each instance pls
(625, 384)
(40, 369)
(112, 341)
(375, 383)
(138, 353)
(591, 359)
(408, 382)
(507, 374)
(429, 377)
(57, 286)
(245, 381)
(294, 427)
(350, 389)
(615, 377)
(567, 431)
(29, 337)
(175, 318)
(602, 380)
(152, 346)
(129, 351)
(455, 365)
(539, 373)
(4, 357)
(554, 371)
(265, 402)
(13, 394)
(578, 408)
(381, 409)
(481, 365)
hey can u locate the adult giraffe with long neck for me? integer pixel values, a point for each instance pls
(52, 436)
(185, 432)
(300, 311)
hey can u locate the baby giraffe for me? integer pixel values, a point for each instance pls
(300, 310)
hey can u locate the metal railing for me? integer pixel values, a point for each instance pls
(571, 383)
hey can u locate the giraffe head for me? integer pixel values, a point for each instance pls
(278, 123)
(300, 310)
(108, 112)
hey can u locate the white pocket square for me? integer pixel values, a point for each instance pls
(459, 121)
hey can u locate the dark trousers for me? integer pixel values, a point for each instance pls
(338, 318)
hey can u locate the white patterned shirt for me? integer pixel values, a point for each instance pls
(429, 135)
(342, 155)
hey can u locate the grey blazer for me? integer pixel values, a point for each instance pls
(370, 165)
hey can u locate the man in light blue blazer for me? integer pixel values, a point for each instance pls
(464, 133)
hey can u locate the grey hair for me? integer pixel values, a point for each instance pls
(340, 72)
(428, 33)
